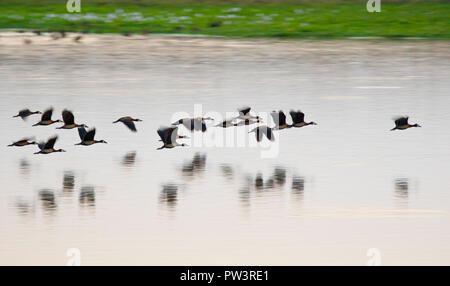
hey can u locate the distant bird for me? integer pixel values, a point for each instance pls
(401, 123)
(69, 121)
(46, 118)
(168, 137)
(194, 124)
(87, 137)
(298, 119)
(27, 41)
(128, 121)
(263, 129)
(244, 113)
(23, 142)
(47, 147)
(226, 123)
(246, 122)
(77, 38)
(279, 118)
(24, 113)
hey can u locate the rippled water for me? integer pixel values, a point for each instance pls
(330, 193)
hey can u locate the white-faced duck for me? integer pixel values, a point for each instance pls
(263, 130)
(279, 118)
(47, 147)
(46, 118)
(298, 119)
(24, 113)
(69, 121)
(128, 121)
(23, 142)
(169, 137)
(401, 123)
(87, 137)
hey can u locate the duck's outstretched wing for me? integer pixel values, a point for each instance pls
(47, 115)
(130, 125)
(90, 135)
(82, 132)
(50, 142)
(68, 117)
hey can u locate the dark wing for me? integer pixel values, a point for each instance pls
(282, 117)
(82, 132)
(50, 143)
(130, 125)
(68, 117)
(268, 132)
(162, 132)
(244, 110)
(297, 116)
(24, 112)
(47, 115)
(89, 135)
(401, 121)
(41, 145)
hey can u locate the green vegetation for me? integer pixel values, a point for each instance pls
(327, 19)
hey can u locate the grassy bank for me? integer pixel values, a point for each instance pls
(328, 19)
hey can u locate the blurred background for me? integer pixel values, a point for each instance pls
(332, 192)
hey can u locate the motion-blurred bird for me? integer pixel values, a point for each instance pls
(24, 113)
(47, 147)
(23, 142)
(69, 121)
(87, 137)
(263, 130)
(128, 121)
(401, 123)
(169, 137)
(244, 113)
(298, 119)
(194, 124)
(279, 118)
(46, 118)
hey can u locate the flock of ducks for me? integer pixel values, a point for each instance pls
(169, 134)
(87, 136)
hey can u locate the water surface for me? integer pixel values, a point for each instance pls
(331, 193)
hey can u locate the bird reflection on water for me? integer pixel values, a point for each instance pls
(402, 190)
(87, 196)
(298, 186)
(48, 201)
(169, 195)
(195, 166)
(68, 182)
(129, 159)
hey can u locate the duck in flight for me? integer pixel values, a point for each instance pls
(194, 124)
(279, 118)
(226, 123)
(247, 122)
(263, 130)
(128, 121)
(169, 137)
(24, 113)
(23, 142)
(47, 147)
(46, 118)
(69, 121)
(244, 114)
(87, 137)
(401, 123)
(298, 119)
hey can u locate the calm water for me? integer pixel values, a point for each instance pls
(331, 192)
